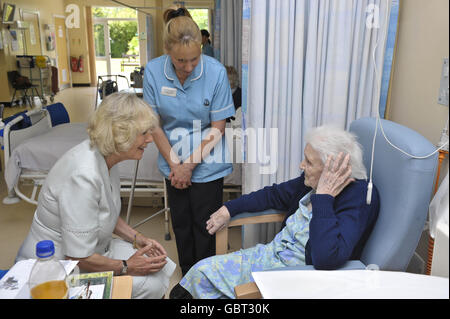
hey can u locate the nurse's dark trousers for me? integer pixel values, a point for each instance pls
(190, 209)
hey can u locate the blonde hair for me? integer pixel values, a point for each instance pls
(180, 29)
(233, 76)
(118, 121)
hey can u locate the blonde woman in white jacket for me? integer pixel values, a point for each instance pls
(79, 204)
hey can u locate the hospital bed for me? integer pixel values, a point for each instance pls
(32, 144)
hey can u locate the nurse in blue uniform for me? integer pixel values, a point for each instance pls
(191, 94)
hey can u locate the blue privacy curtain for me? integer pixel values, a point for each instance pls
(305, 63)
(150, 37)
(389, 56)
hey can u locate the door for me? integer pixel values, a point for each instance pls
(102, 48)
(61, 51)
(116, 41)
(32, 33)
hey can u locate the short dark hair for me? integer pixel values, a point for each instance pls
(205, 33)
(170, 14)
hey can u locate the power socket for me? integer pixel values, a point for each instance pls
(444, 140)
(443, 90)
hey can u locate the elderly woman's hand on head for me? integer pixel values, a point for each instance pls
(336, 175)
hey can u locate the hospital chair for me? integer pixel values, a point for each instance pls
(22, 83)
(58, 113)
(405, 187)
(2, 273)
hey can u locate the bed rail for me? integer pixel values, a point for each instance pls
(40, 121)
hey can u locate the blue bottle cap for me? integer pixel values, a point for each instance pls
(45, 249)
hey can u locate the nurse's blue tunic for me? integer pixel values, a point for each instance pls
(187, 111)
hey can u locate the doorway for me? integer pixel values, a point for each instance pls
(116, 41)
(62, 52)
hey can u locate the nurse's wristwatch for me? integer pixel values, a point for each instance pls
(124, 268)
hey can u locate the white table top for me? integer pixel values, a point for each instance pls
(349, 284)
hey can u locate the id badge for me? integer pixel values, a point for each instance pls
(169, 91)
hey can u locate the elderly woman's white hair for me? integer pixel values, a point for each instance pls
(329, 140)
(118, 121)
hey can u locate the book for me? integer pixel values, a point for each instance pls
(94, 285)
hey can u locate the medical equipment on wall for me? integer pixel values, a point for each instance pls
(443, 142)
(378, 122)
(50, 39)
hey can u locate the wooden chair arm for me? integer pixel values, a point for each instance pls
(222, 235)
(122, 287)
(259, 219)
(247, 291)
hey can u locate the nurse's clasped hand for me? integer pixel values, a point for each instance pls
(180, 175)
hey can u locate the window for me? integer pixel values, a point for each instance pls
(201, 17)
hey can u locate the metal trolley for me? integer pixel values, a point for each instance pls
(37, 69)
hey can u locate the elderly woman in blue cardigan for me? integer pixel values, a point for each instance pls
(328, 220)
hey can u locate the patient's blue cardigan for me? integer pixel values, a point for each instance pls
(339, 226)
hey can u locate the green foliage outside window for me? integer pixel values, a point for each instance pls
(113, 12)
(201, 17)
(123, 34)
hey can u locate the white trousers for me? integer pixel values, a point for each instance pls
(152, 286)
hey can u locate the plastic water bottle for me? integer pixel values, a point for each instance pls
(48, 276)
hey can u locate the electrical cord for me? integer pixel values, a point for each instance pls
(378, 122)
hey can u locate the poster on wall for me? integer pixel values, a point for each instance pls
(50, 37)
(14, 41)
(32, 35)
